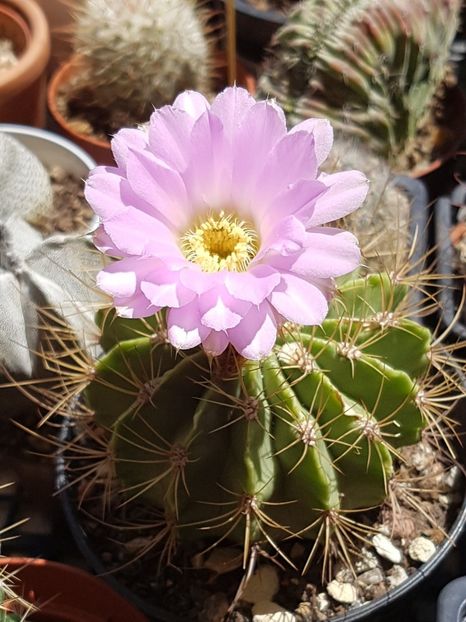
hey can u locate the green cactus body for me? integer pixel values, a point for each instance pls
(372, 68)
(227, 446)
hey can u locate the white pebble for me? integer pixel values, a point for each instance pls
(268, 611)
(453, 477)
(322, 601)
(371, 577)
(342, 592)
(421, 549)
(262, 586)
(367, 561)
(397, 576)
(386, 549)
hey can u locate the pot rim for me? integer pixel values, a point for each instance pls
(275, 17)
(33, 61)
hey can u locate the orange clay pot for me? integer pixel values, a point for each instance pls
(100, 149)
(66, 594)
(23, 86)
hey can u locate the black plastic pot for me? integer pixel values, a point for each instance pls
(452, 602)
(451, 288)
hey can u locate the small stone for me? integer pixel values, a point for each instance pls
(453, 478)
(396, 576)
(421, 549)
(422, 457)
(367, 561)
(342, 592)
(263, 585)
(344, 576)
(386, 549)
(322, 601)
(268, 611)
(371, 577)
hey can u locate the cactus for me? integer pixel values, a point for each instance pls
(138, 54)
(35, 273)
(249, 450)
(381, 224)
(372, 68)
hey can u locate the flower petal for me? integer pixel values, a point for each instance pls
(346, 191)
(299, 301)
(220, 311)
(184, 326)
(215, 343)
(231, 106)
(163, 288)
(253, 286)
(256, 334)
(322, 132)
(126, 140)
(192, 102)
(159, 186)
(170, 135)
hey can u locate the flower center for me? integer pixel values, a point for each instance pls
(222, 242)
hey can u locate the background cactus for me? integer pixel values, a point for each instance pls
(372, 68)
(137, 54)
(52, 275)
(261, 450)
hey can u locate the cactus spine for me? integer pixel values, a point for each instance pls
(137, 55)
(372, 68)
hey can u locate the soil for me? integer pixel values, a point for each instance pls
(201, 584)
(8, 57)
(71, 212)
(281, 6)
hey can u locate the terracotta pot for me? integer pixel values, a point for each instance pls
(100, 149)
(23, 86)
(67, 594)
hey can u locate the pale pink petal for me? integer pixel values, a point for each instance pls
(329, 253)
(198, 281)
(123, 141)
(159, 186)
(208, 174)
(255, 336)
(299, 301)
(287, 236)
(291, 160)
(103, 190)
(192, 102)
(323, 135)
(104, 243)
(220, 311)
(262, 127)
(215, 343)
(253, 286)
(346, 192)
(231, 106)
(136, 233)
(163, 288)
(170, 136)
(184, 326)
(298, 200)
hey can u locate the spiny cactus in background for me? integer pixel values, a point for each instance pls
(52, 275)
(381, 224)
(137, 54)
(372, 68)
(248, 450)
(12, 607)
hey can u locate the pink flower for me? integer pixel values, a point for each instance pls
(216, 212)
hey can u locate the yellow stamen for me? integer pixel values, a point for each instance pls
(221, 242)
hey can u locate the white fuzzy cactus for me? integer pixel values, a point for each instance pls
(137, 54)
(37, 274)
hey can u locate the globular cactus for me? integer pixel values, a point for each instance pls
(137, 54)
(250, 450)
(372, 68)
(51, 275)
